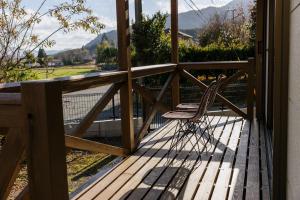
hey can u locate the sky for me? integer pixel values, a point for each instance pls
(105, 10)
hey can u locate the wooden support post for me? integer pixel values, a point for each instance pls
(125, 64)
(175, 58)
(259, 57)
(250, 95)
(47, 169)
(138, 10)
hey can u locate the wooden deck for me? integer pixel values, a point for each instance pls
(232, 167)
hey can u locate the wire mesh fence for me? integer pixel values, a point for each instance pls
(76, 107)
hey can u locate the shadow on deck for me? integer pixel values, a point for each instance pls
(231, 166)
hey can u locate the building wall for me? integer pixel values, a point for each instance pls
(293, 167)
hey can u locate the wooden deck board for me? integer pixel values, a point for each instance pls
(234, 166)
(207, 182)
(223, 181)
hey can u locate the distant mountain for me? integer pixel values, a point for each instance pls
(189, 22)
(111, 35)
(192, 20)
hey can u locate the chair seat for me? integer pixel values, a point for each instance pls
(179, 115)
(187, 106)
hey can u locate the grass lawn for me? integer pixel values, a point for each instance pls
(64, 71)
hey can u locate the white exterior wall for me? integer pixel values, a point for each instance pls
(293, 169)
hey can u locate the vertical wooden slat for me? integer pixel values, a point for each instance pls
(175, 58)
(259, 56)
(46, 150)
(125, 64)
(250, 95)
(270, 66)
(138, 10)
(281, 79)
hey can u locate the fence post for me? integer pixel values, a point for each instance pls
(125, 65)
(47, 169)
(250, 95)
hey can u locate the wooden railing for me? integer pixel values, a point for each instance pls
(31, 117)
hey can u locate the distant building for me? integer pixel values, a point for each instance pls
(181, 35)
(55, 63)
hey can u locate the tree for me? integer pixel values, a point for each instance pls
(42, 58)
(17, 25)
(252, 24)
(106, 53)
(151, 43)
(226, 33)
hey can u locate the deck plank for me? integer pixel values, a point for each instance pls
(223, 181)
(219, 174)
(145, 186)
(104, 181)
(191, 185)
(207, 182)
(125, 191)
(264, 167)
(112, 188)
(163, 181)
(238, 175)
(252, 187)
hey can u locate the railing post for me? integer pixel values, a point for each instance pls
(250, 95)
(175, 58)
(125, 64)
(47, 169)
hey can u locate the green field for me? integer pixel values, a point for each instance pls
(64, 71)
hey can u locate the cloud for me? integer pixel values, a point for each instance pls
(73, 39)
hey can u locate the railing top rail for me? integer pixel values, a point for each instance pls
(80, 82)
(74, 83)
(214, 65)
(150, 70)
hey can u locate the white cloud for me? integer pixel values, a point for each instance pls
(74, 39)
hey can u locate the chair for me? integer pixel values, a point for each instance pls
(189, 121)
(194, 106)
(190, 117)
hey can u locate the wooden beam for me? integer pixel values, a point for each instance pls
(281, 95)
(10, 116)
(175, 57)
(87, 145)
(213, 65)
(24, 194)
(46, 149)
(94, 112)
(154, 109)
(148, 96)
(144, 71)
(250, 95)
(125, 64)
(11, 156)
(219, 97)
(75, 83)
(270, 89)
(232, 78)
(259, 57)
(138, 10)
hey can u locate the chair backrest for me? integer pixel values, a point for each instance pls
(209, 96)
(203, 105)
(216, 87)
